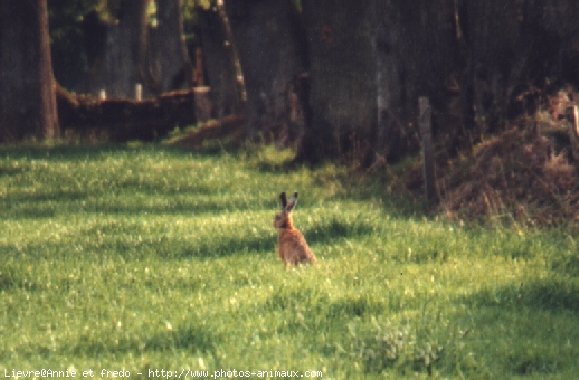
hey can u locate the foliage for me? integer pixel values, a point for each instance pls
(67, 38)
(144, 257)
(191, 10)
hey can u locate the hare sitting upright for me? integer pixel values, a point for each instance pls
(292, 246)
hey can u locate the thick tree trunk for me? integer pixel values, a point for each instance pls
(559, 18)
(270, 56)
(417, 55)
(369, 63)
(125, 60)
(27, 86)
(220, 57)
(171, 66)
(342, 92)
(495, 60)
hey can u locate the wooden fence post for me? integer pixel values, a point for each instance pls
(424, 117)
(138, 92)
(574, 133)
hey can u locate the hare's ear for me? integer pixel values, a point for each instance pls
(292, 202)
(283, 200)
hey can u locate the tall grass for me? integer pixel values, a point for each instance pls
(151, 258)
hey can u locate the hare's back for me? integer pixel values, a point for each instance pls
(293, 247)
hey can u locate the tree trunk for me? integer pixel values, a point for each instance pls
(494, 58)
(271, 58)
(559, 18)
(342, 90)
(417, 55)
(220, 57)
(171, 66)
(369, 63)
(27, 85)
(125, 60)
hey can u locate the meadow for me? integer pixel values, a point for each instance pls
(145, 257)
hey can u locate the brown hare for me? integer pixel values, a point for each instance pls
(292, 246)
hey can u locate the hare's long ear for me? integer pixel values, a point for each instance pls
(292, 202)
(283, 200)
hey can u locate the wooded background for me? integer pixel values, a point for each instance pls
(338, 78)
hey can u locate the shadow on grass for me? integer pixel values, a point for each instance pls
(319, 312)
(222, 247)
(533, 361)
(357, 306)
(174, 207)
(74, 152)
(192, 337)
(48, 205)
(13, 279)
(28, 212)
(276, 167)
(38, 205)
(335, 230)
(45, 196)
(96, 152)
(550, 294)
(566, 263)
(332, 232)
(121, 239)
(59, 152)
(11, 170)
(528, 329)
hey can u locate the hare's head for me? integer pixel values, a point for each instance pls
(283, 219)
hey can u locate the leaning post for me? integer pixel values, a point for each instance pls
(424, 125)
(574, 133)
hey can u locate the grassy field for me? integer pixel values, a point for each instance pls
(143, 258)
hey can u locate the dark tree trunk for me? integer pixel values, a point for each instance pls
(171, 66)
(369, 63)
(342, 89)
(417, 55)
(271, 58)
(494, 58)
(220, 57)
(125, 60)
(558, 19)
(27, 86)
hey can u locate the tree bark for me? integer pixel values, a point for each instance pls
(270, 56)
(417, 55)
(27, 85)
(171, 66)
(220, 57)
(495, 60)
(369, 63)
(125, 60)
(342, 67)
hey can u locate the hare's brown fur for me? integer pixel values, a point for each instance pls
(292, 246)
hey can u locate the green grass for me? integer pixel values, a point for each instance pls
(145, 257)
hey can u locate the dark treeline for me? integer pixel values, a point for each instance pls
(337, 76)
